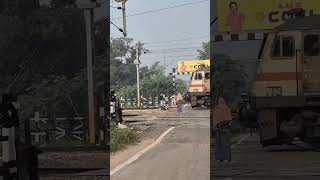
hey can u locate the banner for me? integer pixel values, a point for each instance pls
(193, 65)
(250, 15)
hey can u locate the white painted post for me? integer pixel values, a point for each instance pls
(8, 147)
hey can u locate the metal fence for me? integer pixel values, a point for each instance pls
(58, 129)
(61, 131)
(145, 102)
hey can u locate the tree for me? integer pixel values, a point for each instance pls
(122, 70)
(229, 78)
(153, 83)
(181, 86)
(41, 62)
(204, 53)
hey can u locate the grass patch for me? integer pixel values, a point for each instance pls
(120, 138)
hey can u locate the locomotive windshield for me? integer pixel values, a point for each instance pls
(198, 76)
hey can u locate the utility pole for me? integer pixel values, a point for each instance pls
(88, 6)
(124, 18)
(123, 2)
(137, 63)
(91, 115)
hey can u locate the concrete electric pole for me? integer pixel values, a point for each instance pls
(137, 63)
(124, 16)
(88, 6)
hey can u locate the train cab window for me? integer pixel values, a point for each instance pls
(311, 45)
(274, 91)
(207, 76)
(198, 76)
(283, 47)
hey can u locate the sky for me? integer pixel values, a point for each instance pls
(188, 26)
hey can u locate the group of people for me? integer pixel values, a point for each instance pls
(177, 100)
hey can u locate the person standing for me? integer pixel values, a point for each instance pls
(173, 101)
(221, 119)
(162, 101)
(179, 100)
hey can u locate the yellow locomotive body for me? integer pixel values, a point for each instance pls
(199, 87)
(286, 92)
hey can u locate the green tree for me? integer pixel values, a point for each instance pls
(229, 78)
(153, 83)
(122, 69)
(181, 86)
(204, 53)
(41, 62)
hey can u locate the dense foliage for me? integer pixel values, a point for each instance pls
(229, 78)
(153, 80)
(43, 57)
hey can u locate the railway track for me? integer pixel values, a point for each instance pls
(73, 149)
(64, 171)
(73, 174)
(139, 108)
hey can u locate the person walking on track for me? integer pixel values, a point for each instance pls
(179, 101)
(221, 119)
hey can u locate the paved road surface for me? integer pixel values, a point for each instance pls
(184, 154)
(252, 162)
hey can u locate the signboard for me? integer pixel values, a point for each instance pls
(192, 65)
(249, 15)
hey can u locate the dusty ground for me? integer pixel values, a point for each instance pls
(182, 154)
(251, 161)
(99, 160)
(147, 133)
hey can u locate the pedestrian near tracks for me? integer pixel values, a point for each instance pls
(179, 101)
(221, 120)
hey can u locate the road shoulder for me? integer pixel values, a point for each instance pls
(146, 138)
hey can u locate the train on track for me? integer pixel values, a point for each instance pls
(199, 87)
(285, 98)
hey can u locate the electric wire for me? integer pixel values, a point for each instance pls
(161, 9)
(174, 40)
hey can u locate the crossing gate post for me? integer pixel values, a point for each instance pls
(134, 103)
(150, 101)
(51, 134)
(102, 132)
(9, 121)
(112, 106)
(19, 158)
(156, 101)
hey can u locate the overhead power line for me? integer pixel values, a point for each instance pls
(170, 45)
(161, 57)
(115, 25)
(166, 8)
(173, 51)
(174, 48)
(174, 40)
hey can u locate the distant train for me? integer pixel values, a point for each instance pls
(199, 87)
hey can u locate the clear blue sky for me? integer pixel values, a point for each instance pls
(190, 22)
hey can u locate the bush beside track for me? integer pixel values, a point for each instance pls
(120, 138)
